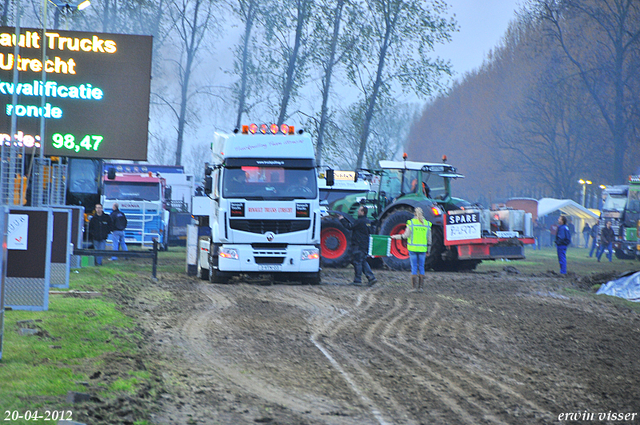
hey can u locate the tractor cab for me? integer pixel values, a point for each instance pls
(418, 181)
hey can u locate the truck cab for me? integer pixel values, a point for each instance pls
(629, 222)
(264, 212)
(140, 197)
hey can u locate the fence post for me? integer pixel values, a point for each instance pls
(155, 258)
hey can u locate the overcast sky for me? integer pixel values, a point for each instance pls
(482, 24)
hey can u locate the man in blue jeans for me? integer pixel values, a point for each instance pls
(563, 240)
(594, 238)
(119, 223)
(606, 241)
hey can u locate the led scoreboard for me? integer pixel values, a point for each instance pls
(96, 92)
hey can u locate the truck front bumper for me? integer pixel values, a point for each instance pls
(247, 259)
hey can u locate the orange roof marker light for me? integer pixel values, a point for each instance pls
(268, 128)
(444, 158)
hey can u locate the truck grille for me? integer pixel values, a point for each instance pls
(264, 226)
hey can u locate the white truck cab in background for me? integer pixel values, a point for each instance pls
(262, 208)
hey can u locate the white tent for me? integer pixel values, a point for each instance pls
(547, 206)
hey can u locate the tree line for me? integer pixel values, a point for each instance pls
(557, 101)
(341, 69)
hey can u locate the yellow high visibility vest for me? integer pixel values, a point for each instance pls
(420, 237)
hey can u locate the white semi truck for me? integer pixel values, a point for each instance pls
(261, 213)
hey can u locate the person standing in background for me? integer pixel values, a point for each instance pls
(360, 231)
(572, 229)
(99, 229)
(586, 231)
(595, 229)
(418, 236)
(118, 223)
(563, 240)
(606, 242)
(537, 233)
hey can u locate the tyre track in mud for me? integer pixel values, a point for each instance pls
(338, 354)
(377, 331)
(198, 339)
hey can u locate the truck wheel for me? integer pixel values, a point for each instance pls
(335, 244)
(202, 273)
(312, 279)
(434, 259)
(394, 224)
(216, 276)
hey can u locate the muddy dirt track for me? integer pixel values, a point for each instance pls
(474, 348)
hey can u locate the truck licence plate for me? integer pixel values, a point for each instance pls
(270, 267)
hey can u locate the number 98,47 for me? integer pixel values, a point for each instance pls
(69, 142)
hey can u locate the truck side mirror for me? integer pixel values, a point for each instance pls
(111, 173)
(208, 185)
(330, 178)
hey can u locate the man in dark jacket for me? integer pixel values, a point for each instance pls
(563, 240)
(118, 223)
(99, 229)
(606, 241)
(360, 246)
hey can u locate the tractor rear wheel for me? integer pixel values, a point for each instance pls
(434, 259)
(335, 243)
(394, 224)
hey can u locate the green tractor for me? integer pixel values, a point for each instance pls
(401, 187)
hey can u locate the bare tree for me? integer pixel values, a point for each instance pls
(605, 55)
(284, 51)
(390, 129)
(329, 13)
(398, 37)
(248, 11)
(197, 155)
(4, 19)
(549, 136)
(192, 20)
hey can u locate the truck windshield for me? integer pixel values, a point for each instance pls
(614, 203)
(83, 176)
(269, 182)
(634, 200)
(130, 191)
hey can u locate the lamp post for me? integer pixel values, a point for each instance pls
(584, 184)
(67, 7)
(38, 194)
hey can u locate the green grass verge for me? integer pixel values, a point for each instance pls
(578, 262)
(37, 370)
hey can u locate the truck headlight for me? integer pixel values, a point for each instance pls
(310, 254)
(231, 253)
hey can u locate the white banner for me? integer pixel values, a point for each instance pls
(17, 231)
(457, 232)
